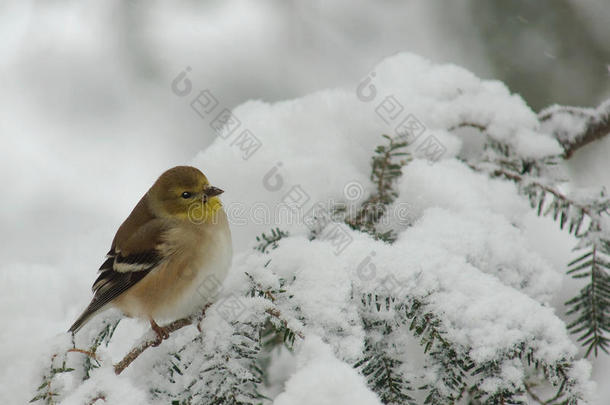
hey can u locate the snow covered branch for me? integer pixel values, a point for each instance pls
(576, 127)
(149, 342)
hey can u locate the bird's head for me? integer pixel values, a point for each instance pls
(184, 193)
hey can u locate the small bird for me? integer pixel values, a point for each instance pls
(169, 257)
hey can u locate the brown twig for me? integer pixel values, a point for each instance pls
(172, 327)
(138, 350)
(88, 353)
(596, 130)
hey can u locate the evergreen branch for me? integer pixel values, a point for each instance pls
(85, 352)
(456, 368)
(230, 369)
(380, 363)
(45, 392)
(104, 336)
(563, 209)
(457, 372)
(452, 362)
(537, 191)
(468, 124)
(551, 401)
(278, 326)
(283, 329)
(227, 374)
(386, 168)
(502, 155)
(383, 375)
(595, 125)
(224, 374)
(148, 342)
(385, 171)
(592, 304)
(265, 241)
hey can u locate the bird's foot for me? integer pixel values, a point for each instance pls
(161, 332)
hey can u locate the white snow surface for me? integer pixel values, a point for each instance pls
(323, 379)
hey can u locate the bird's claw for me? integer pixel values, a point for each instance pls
(161, 332)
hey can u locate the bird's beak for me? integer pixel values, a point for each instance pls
(211, 191)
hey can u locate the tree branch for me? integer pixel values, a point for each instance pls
(480, 127)
(88, 353)
(277, 314)
(595, 123)
(138, 350)
(539, 400)
(520, 179)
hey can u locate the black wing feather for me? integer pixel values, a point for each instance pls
(111, 283)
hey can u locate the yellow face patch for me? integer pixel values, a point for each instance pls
(200, 212)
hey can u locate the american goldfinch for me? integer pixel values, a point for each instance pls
(176, 239)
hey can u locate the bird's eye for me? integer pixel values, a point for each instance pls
(186, 194)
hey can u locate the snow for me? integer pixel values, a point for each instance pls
(321, 291)
(341, 130)
(482, 312)
(323, 379)
(478, 218)
(536, 146)
(462, 245)
(115, 390)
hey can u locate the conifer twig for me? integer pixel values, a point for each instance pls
(138, 350)
(386, 168)
(531, 393)
(467, 124)
(591, 304)
(278, 315)
(86, 352)
(517, 178)
(596, 125)
(265, 241)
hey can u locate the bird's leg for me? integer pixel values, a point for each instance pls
(160, 331)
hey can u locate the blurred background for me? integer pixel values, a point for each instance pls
(88, 119)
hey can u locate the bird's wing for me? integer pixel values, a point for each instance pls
(127, 262)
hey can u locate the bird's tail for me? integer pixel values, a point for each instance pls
(84, 317)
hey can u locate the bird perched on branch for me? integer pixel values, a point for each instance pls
(169, 257)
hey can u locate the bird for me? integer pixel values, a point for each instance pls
(169, 257)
